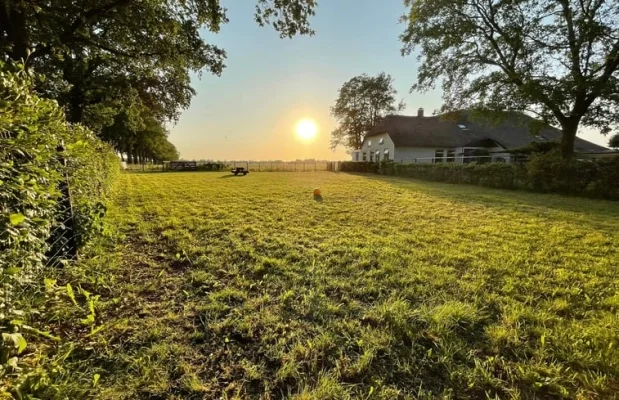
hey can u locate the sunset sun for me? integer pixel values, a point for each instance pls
(306, 129)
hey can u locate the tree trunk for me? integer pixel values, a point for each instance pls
(76, 105)
(569, 130)
(13, 25)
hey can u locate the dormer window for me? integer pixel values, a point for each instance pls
(369, 143)
(381, 140)
(463, 127)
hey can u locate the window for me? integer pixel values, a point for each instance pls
(438, 155)
(463, 127)
(365, 156)
(377, 155)
(381, 140)
(386, 158)
(357, 156)
(451, 155)
(371, 156)
(369, 143)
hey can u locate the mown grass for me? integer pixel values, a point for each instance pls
(223, 287)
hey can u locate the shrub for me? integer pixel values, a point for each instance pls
(211, 167)
(31, 174)
(545, 172)
(349, 166)
(550, 172)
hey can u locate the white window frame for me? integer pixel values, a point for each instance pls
(441, 158)
(452, 158)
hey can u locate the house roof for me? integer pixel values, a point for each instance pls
(458, 130)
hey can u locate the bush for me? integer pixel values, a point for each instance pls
(211, 167)
(545, 172)
(550, 172)
(31, 202)
(349, 166)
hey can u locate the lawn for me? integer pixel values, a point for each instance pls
(246, 287)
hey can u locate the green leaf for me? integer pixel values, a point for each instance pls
(16, 340)
(21, 344)
(70, 293)
(17, 219)
(12, 271)
(49, 283)
(95, 379)
(89, 320)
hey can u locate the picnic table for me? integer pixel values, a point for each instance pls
(239, 170)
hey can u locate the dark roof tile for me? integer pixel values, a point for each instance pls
(457, 130)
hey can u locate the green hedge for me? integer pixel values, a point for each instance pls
(31, 130)
(211, 167)
(548, 173)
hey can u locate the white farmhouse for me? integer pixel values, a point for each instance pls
(456, 138)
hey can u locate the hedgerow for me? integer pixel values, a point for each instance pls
(34, 139)
(544, 172)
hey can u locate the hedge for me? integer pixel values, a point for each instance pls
(544, 172)
(31, 174)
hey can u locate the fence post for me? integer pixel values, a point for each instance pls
(67, 206)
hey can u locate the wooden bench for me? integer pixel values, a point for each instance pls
(239, 170)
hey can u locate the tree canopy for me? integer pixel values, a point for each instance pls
(362, 101)
(614, 141)
(558, 60)
(109, 60)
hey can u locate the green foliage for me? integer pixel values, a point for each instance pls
(614, 141)
(359, 167)
(31, 173)
(545, 172)
(554, 59)
(211, 166)
(362, 101)
(551, 173)
(390, 288)
(99, 59)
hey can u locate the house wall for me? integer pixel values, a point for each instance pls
(427, 154)
(372, 145)
(414, 154)
(403, 154)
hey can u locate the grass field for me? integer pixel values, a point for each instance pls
(223, 287)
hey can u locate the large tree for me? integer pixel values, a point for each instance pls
(614, 141)
(96, 54)
(557, 59)
(362, 101)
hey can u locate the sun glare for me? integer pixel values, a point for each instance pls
(306, 129)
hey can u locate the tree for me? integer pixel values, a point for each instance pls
(362, 102)
(614, 141)
(557, 59)
(96, 53)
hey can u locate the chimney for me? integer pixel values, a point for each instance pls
(420, 112)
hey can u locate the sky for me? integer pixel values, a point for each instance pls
(269, 84)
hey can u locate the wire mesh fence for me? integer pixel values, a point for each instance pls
(252, 166)
(64, 234)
